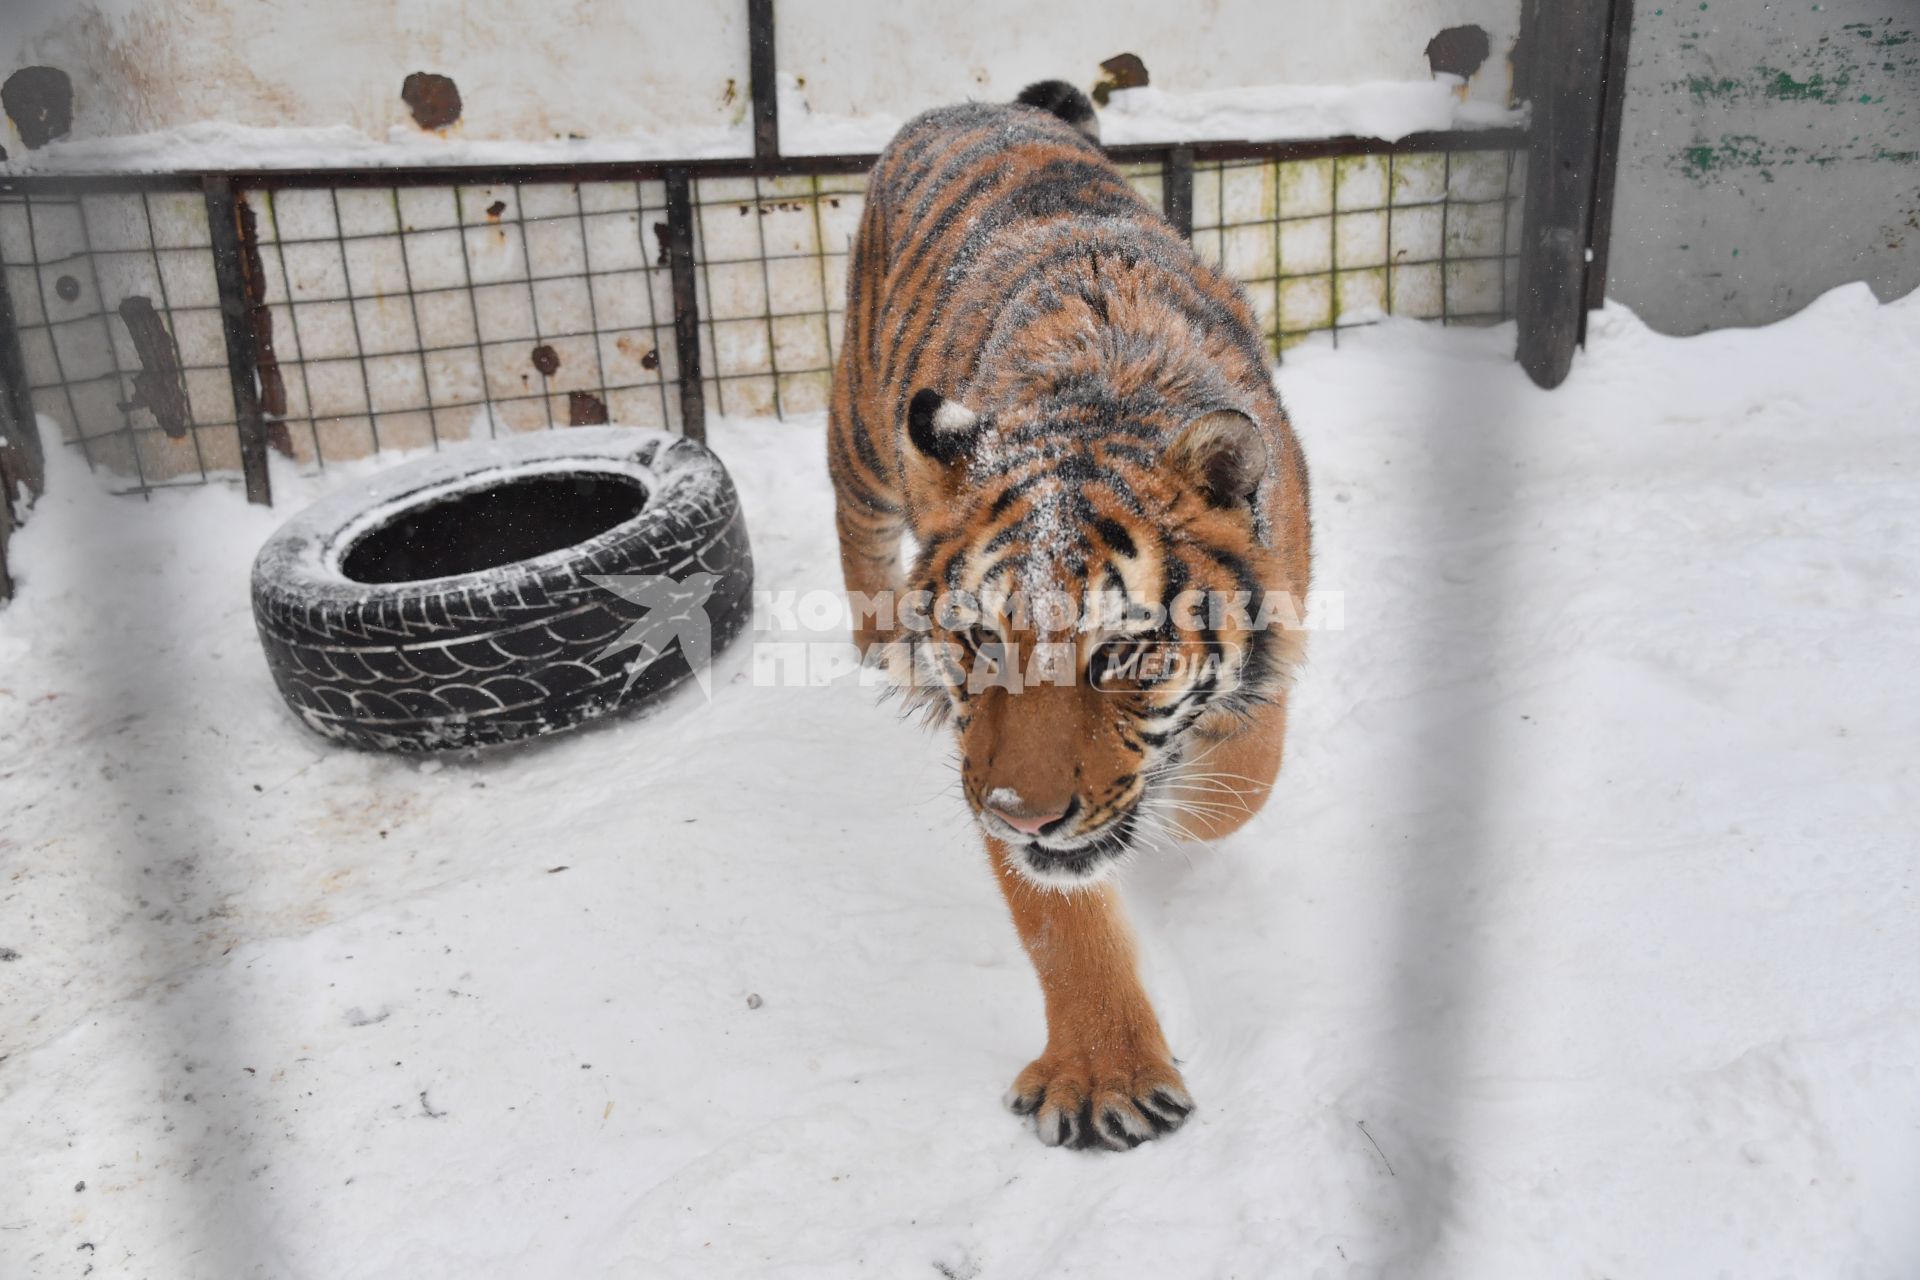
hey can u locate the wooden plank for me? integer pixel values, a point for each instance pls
(1177, 188)
(1566, 76)
(686, 303)
(763, 80)
(1613, 105)
(236, 322)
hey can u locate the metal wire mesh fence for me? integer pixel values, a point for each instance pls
(118, 317)
(1340, 241)
(403, 314)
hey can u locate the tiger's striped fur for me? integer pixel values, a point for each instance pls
(1057, 399)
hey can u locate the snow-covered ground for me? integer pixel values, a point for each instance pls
(1579, 939)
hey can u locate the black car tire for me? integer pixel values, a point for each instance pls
(451, 602)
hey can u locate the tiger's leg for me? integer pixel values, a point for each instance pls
(867, 514)
(870, 564)
(1221, 785)
(1106, 1077)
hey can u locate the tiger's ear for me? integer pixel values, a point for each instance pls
(943, 432)
(1224, 454)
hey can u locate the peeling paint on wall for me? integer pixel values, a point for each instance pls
(156, 384)
(39, 101)
(1459, 51)
(433, 99)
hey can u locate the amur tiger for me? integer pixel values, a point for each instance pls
(1060, 403)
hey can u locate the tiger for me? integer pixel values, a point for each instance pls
(1054, 398)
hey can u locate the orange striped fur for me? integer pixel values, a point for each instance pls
(1044, 386)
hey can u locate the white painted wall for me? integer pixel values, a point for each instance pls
(651, 78)
(194, 81)
(901, 58)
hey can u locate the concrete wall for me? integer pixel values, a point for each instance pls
(663, 78)
(901, 58)
(1770, 151)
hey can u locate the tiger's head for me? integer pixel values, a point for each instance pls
(1092, 609)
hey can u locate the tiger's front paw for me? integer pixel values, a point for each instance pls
(1113, 1100)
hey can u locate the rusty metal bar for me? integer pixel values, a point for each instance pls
(686, 303)
(22, 465)
(762, 80)
(21, 460)
(236, 321)
(1567, 78)
(1177, 188)
(785, 166)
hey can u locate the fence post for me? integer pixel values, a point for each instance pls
(1612, 106)
(22, 464)
(1568, 50)
(1177, 193)
(686, 303)
(236, 321)
(762, 81)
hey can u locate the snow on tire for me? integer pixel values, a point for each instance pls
(502, 590)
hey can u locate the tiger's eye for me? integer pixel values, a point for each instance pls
(1111, 661)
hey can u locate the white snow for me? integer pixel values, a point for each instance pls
(221, 144)
(1578, 939)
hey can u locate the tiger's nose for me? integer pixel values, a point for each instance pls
(1028, 819)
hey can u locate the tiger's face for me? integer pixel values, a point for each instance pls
(1093, 620)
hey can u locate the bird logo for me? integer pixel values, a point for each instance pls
(675, 610)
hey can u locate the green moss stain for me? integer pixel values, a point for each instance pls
(1733, 151)
(1781, 87)
(1868, 72)
(1704, 87)
(1705, 160)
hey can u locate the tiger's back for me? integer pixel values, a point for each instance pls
(1000, 255)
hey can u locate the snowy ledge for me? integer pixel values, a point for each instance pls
(217, 145)
(1387, 110)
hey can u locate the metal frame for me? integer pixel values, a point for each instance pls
(233, 248)
(763, 80)
(255, 371)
